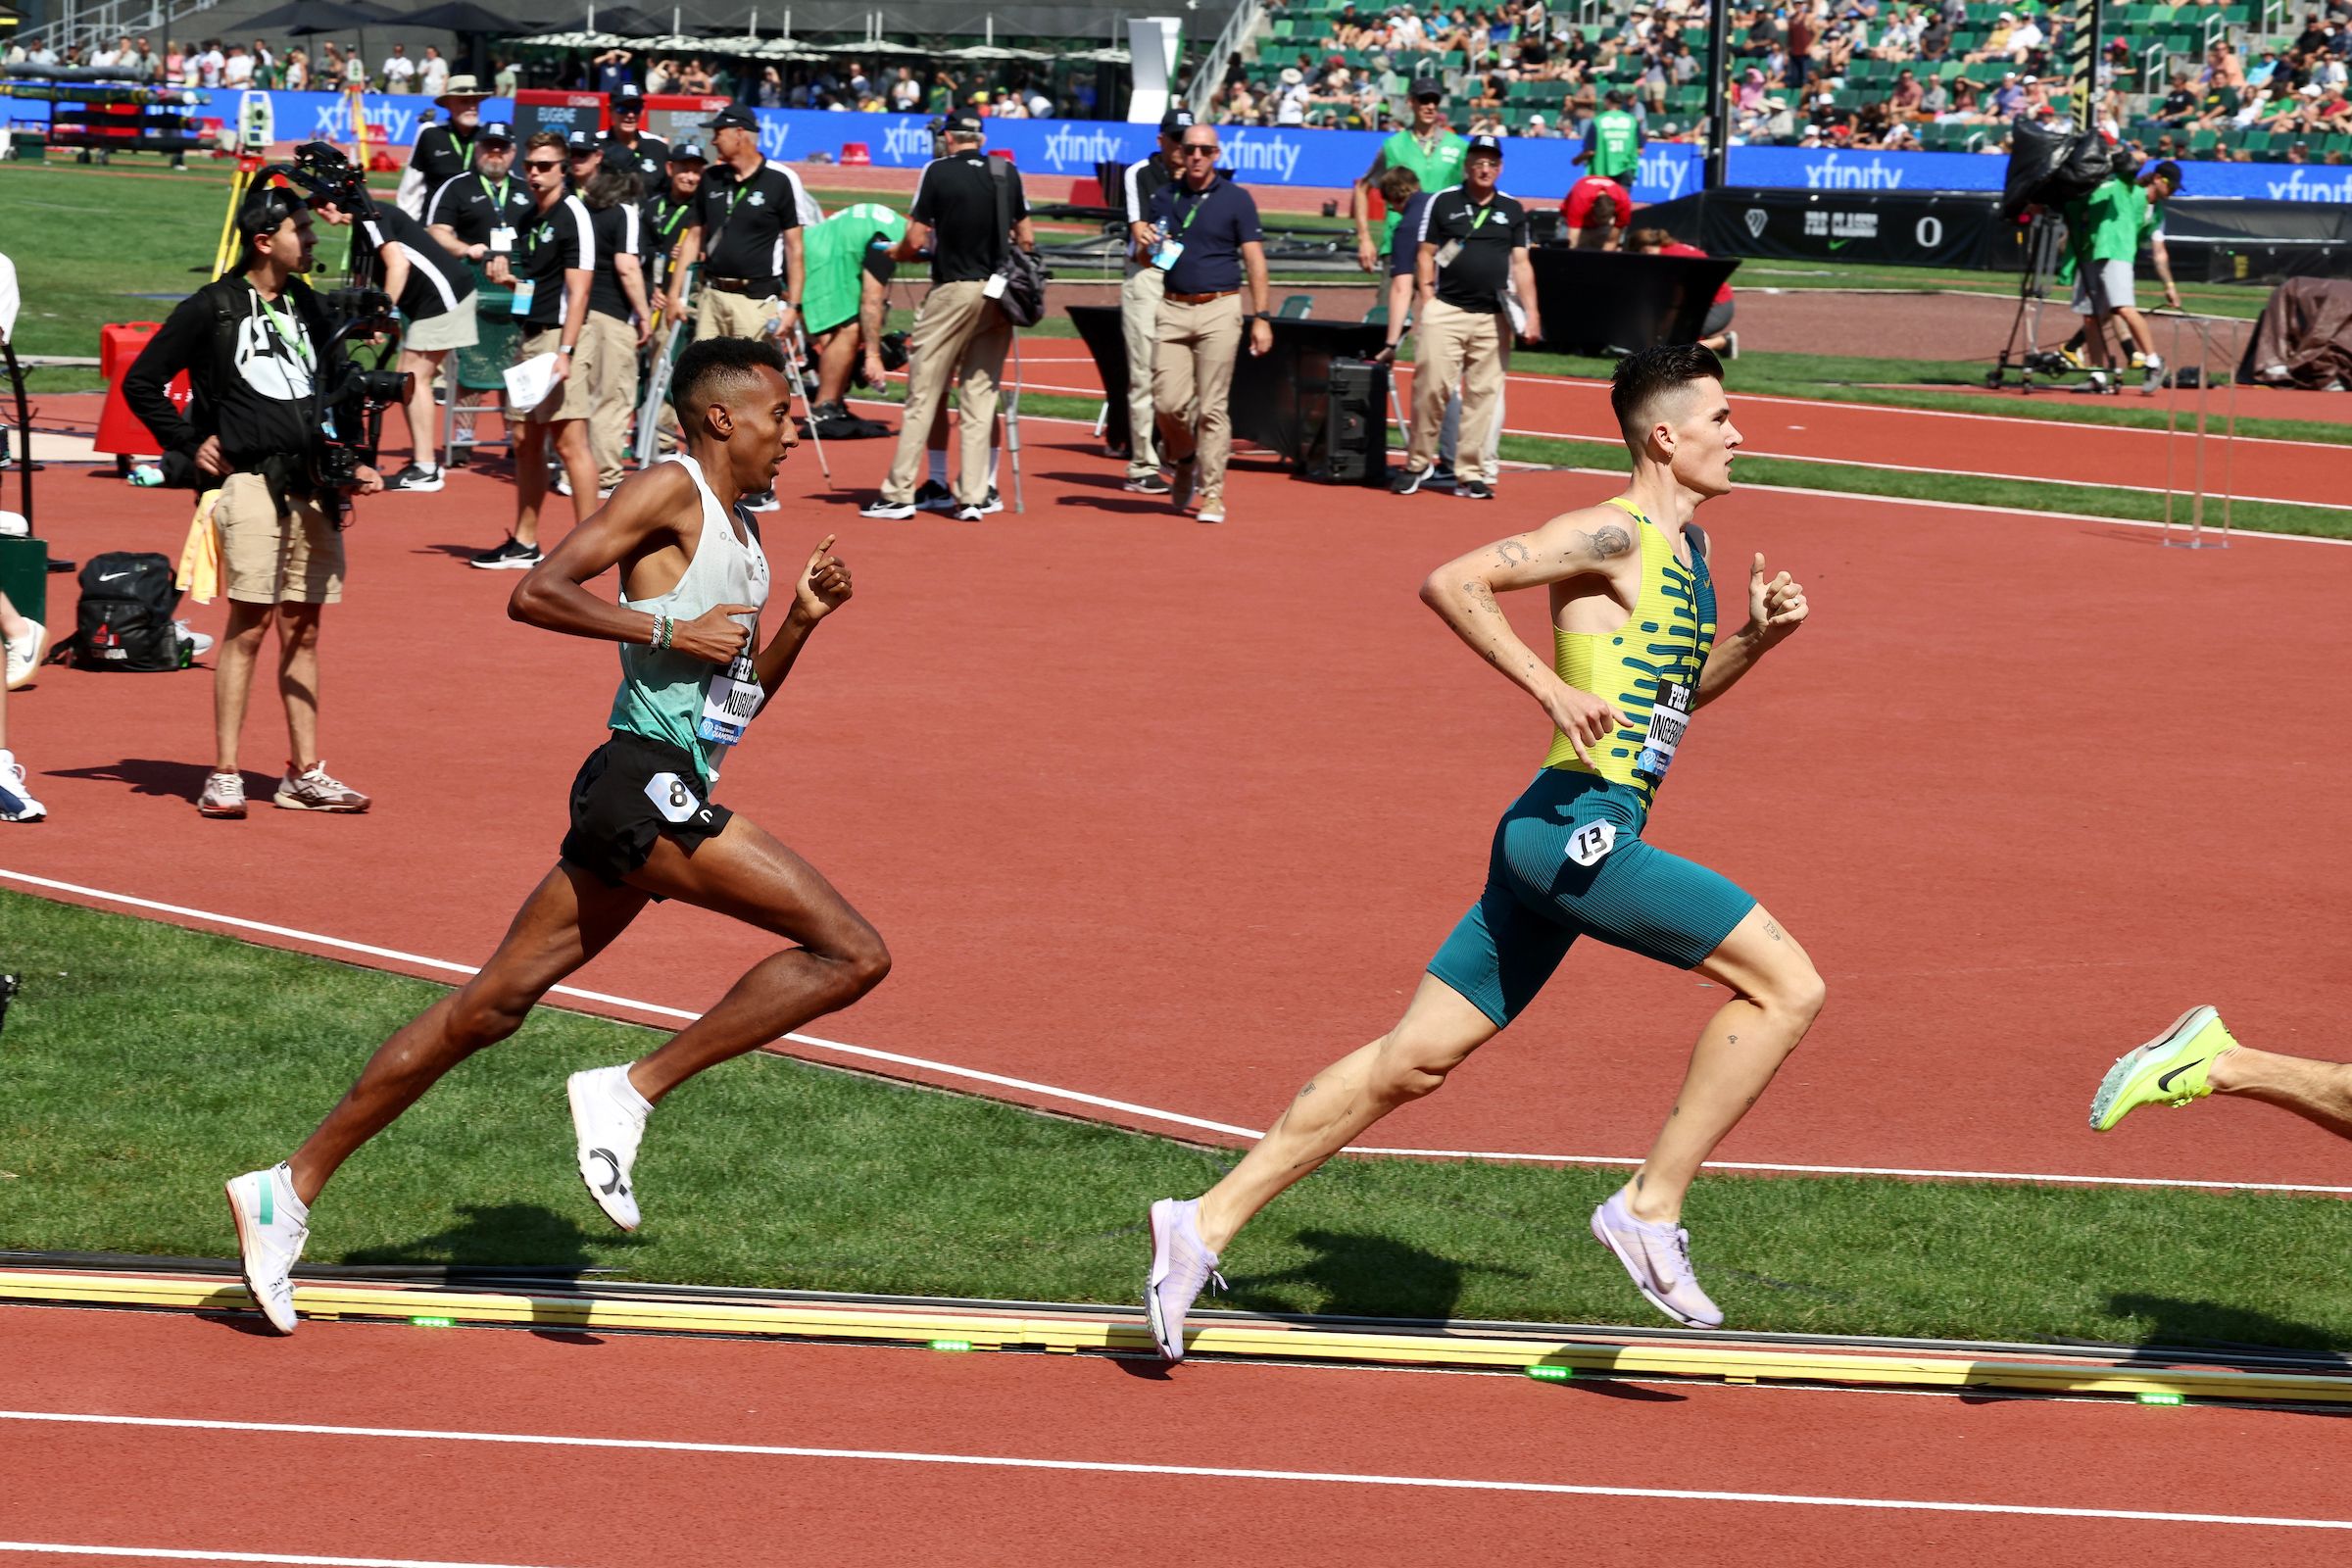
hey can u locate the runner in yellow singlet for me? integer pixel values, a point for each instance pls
(1635, 657)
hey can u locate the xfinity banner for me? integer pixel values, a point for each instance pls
(1536, 170)
(1907, 230)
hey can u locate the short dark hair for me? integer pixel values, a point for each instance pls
(1398, 185)
(1644, 378)
(262, 212)
(610, 187)
(545, 138)
(708, 370)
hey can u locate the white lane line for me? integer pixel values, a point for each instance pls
(191, 1554)
(1111, 1467)
(2212, 502)
(1150, 1112)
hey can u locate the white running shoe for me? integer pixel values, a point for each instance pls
(272, 1226)
(607, 1119)
(25, 653)
(17, 804)
(1182, 1266)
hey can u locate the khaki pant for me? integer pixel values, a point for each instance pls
(1464, 348)
(269, 560)
(723, 315)
(959, 334)
(1192, 380)
(575, 399)
(611, 392)
(1139, 320)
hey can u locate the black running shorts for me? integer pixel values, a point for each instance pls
(630, 792)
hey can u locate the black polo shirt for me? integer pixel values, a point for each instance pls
(437, 280)
(473, 204)
(1144, 177)
(442, 153)
(1212, 225)
(553, 242)
(1489, 232)
(649, 160)
(666, 219)
(743, 221)
(619, 231)
(957, 198)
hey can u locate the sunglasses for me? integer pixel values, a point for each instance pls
(1195, 149)
(543, 164)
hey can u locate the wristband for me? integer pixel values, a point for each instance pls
(664, 626)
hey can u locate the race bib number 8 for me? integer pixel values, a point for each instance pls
(673, 797)
(1669, 717)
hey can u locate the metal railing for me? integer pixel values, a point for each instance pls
(94, 26)
(1239, 36)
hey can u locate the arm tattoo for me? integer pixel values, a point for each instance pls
(1308, 1090)
(1611, 542)
(1771, 930)
(1481, 595)
(1512, 553)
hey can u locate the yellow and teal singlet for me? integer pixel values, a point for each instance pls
(1649, 668)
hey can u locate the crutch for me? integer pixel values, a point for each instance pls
(799, 387)
(657, 393)
(1013, 423)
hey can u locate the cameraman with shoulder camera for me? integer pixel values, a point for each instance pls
(260, 356)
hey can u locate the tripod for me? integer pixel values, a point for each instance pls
(2041, 260)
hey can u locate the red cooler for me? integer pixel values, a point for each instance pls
(120, 432)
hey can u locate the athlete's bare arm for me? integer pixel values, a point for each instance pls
(1774, 608)
(1595, 544)
(641, 530)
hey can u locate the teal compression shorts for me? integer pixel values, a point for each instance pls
(1539, 897)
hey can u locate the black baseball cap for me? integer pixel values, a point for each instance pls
(583, 141)
(961, 123)
(1174, 122)
(628, 97)
(1429, 90)
(688, 152)
(1483, 145)
(735, 115)
(496, 130)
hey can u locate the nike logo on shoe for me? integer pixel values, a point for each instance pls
(2164, 1084)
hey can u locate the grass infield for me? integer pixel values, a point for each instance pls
(144, 1064)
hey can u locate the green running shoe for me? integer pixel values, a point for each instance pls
(2170, 1068)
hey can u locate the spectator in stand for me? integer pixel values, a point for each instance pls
(2179, 105)
(1596, 213)
(1996, 42)
(399, 72)
(696, 78)
(506, 77)
(1804, 35)
(1935, 101)
(355, 71)
(211, 65)
(2009, 99)
(1536, 128)
(2026, 38)
(769, 94)
(297, 71)
(237, 72)
(432, 73)
(611, 69)
(905, 93)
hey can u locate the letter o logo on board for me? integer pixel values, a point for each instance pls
(1929, 233)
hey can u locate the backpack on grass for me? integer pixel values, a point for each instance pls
(124, 618)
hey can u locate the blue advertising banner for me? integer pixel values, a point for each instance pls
(1533, 167)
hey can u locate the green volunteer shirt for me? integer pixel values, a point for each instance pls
(1616, 142)
(834, 260)
(1438, 165)
(2108, 225)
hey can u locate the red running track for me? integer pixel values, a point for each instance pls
(1990, 444)
(1173, 816)
(889, 1422)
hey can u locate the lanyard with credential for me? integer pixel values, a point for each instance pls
(296, 343)
(1484, 212)
(464, 149)
(1200, 200)
(498, 197)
